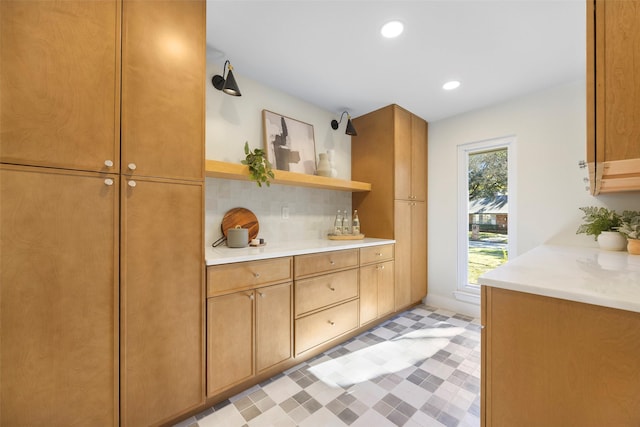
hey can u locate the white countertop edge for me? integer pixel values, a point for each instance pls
(586, 298)
(225, 255)
(572, 273)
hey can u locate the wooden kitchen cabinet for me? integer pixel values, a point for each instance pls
(230, 344)
(162, 299)
(58, 297)
(163, 77)
(376, 282)
(60, 84)
(70, 70)
(326, 297)
(390, 151)
(613, 95)
(247, 332)
(553, 362)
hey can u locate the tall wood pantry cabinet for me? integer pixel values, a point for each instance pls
(101, 278)
(613, 95)
(390, 152)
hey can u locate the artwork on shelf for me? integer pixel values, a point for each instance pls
(289, 143)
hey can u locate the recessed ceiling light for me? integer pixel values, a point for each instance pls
(392, 29)
(453, 84)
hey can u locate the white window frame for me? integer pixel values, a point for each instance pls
(466, 291)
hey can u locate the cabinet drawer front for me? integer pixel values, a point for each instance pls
(241, 275)
(321, 291)
(324, 262)
(320, 327)
(376, 254)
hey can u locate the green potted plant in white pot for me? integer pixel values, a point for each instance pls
(603, 224)
(630, 227)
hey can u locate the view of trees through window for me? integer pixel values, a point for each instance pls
(488, 212)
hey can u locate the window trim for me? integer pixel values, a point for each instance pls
(468, 292)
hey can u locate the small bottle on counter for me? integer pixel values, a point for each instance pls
(346, 223)
(337, 224)
(355, 224)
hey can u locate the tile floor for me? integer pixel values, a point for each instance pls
(420, 368)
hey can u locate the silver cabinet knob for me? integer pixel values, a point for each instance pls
(250, 296)
(132, 184)
(332, 262)
(132, 166)
(378, 254)
(108, 163)
(382, 267)
(108, 181)
(256, 275)
(332, 322)
(262, 295)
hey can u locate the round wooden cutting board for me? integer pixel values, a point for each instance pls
(242, 217)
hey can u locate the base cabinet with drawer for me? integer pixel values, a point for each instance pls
(267, 315)
(376, 282)
(326, 301)
(250, 330)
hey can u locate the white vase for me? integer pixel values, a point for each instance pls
(612, 241)
(324, 168)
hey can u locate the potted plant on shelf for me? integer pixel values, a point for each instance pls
(630, 227)
(602, 224)
(259, 167)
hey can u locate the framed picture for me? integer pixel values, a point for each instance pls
(289, 143)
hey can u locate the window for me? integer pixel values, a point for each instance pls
(486, 211)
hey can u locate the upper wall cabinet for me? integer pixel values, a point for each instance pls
(613, 95)
(163, 115)
(60, 84)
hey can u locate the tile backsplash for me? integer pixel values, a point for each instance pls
(311, 211)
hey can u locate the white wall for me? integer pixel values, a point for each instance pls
(230, 121)
(550, 128)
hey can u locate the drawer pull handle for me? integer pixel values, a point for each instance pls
(261, 294)
(378, 254)
(250, 296)
(256, 275)
(382, 267)
(332, 323)
(332, 288)
(332, 262)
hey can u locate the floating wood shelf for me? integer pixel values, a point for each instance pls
(218, 169)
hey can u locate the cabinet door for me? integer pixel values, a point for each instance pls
(60, 83)
(163, 77)
(386, 280)
(575, 365)
(368, 293)
(274, 327)
(162, 273)
(58, 298)
(418, 251)
(403, 257)
(418, 158)
(402, 153)
(619, 64)
(230, 345)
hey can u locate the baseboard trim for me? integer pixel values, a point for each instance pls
(462, 306)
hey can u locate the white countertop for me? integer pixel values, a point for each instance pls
(225, 255)
(587, 275)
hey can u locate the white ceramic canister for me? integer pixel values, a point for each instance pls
(237, 237)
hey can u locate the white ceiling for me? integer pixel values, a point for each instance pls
(330, 53)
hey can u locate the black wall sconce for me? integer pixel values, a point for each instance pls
(350, 129)
(228, 85)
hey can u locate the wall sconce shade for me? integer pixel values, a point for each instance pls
(351, 130)
(228, 85)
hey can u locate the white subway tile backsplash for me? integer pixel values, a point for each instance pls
(311, 211)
